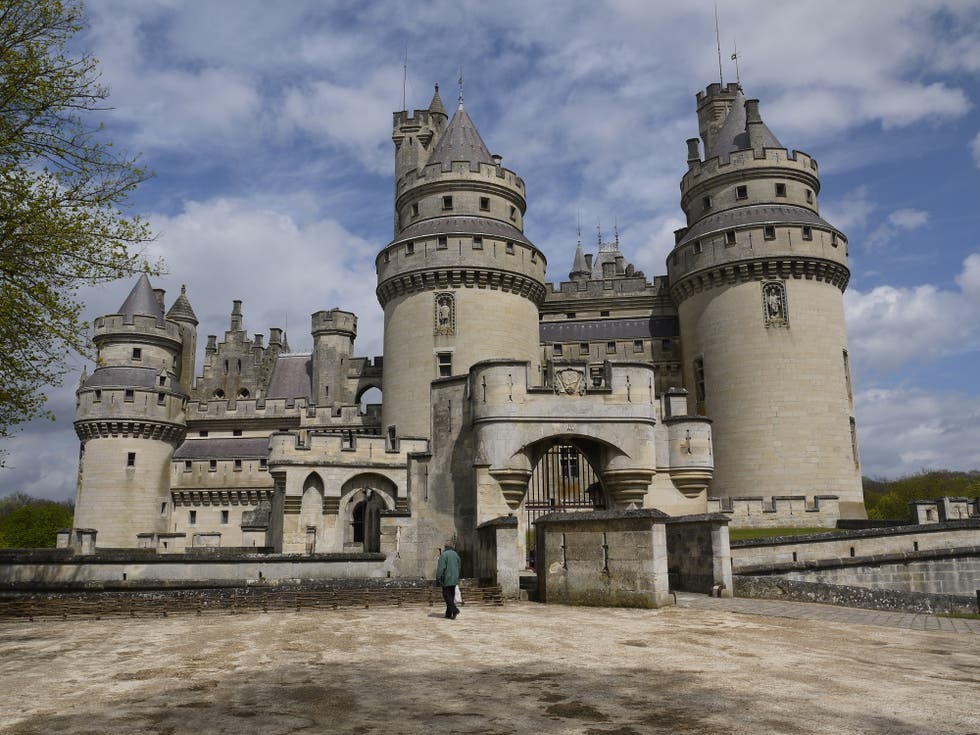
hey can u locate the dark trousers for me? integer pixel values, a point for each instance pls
(449, 595)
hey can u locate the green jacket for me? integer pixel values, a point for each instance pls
(447, 573)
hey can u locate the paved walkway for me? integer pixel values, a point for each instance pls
(830, 613)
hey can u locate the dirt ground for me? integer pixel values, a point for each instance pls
(521, 668)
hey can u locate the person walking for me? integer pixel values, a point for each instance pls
(447, 575)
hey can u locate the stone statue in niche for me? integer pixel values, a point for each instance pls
(445, 314)
(570, 382)
(774, 304)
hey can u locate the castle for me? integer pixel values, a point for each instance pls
(723, 385)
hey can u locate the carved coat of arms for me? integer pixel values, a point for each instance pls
(569, 382)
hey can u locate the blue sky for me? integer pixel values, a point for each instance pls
(268, 128)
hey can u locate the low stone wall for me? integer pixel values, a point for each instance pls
(780, 588)
(59, 569)
(786, 511)
(698, 555)
(850, 544)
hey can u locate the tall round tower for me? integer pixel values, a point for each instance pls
(130, 418)
(758, 278)
(459, 282)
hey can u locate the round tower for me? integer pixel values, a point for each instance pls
(130, 418)
(758, 278)
(459, 282)
(333, 333)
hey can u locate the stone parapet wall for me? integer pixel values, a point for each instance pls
(786, 511)
(779, 588)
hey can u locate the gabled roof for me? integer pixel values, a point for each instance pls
(291, 377)
(142, 301)
(460, 142)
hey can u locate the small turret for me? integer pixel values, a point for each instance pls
(333, 333)
(580, 268)
(182, 313)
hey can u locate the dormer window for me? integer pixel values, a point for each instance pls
(447, 202)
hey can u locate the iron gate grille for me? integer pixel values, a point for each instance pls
(563, 481)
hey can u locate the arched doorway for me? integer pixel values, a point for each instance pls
(563, 480)
(366, 522)
(363, 498)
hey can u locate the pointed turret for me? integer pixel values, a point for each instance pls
(743, 129)
(461, 141)
(436, 107)
(143, 301)
(182, 313)
(580, 268)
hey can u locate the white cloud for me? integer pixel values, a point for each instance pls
(903, 430)
(890, 327)
(850, 212)
(896, 222)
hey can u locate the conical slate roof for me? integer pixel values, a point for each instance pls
(579, 266)
(460, 142)
(143, 301)
(436, 105)
(733, 135)
(181, 310)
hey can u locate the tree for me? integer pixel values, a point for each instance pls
(61, 192)
(34, 525)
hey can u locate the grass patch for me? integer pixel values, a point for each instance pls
(744, 534)
(964, 616)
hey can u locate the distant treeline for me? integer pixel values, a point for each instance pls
(32, 523)
(890, 498)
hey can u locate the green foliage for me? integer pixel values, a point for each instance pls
(889, 499)
(61, 188)
(29, 523)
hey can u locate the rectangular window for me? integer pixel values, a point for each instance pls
(98, 396)
(513, 213)
(847, 374)
(637, 345)
(484, 204)
(666, 345)
(706, 202)
(192, 517)
(409, 248)
(415, 210)
(238, 465)
(236, 432)
(583, 348)
(610, 348)
(558, 350)
(263, 464)
(697, 247)
(163, 509)
(742, 192)
(442, 243)
(569, 314)
(212, 465)
(131, 459)
(129, 395)
(447, 202)
(534, 256)
(224, 518)
(202, 434)
(807, 233)
(163, 380)
(161, 398)
(444, 362)
(137, 353)
(854, 441)
(769, 232)
(809, 196)
(603, 313)
(478, 243)
(780, 190)
(387, 257)
(188, 465)
(730, 238)
(833, 239)
(509, 248)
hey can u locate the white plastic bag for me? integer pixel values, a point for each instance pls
(458, 597)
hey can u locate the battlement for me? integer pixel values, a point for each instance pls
(138, 326)
(716, 90)
(414, 119)
(309, 416)
(460, 171)
(334, 321)
(749, 160)
(288, 447)
(779, 511)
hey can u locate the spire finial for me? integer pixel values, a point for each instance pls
(721, 76)
(616, 231)
(738, 79)
(578, 226)
(405, 80)
(598, 229)
(461, 86)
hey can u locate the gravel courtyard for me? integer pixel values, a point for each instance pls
(520, 668)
